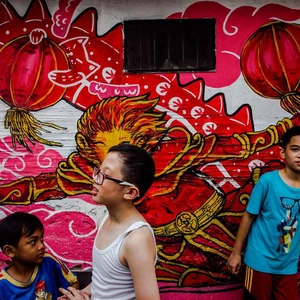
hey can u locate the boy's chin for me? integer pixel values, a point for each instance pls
(96, 200)
(39, 259)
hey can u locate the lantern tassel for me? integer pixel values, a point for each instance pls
(23, 125)
(291, 102)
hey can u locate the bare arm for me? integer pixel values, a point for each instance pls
(75, 285)
(235, 258)
(139, 253)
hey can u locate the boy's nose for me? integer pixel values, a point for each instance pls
(41, 245)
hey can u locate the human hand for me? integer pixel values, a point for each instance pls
(72, 294)
(234, 263)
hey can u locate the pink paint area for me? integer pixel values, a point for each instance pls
(79, 228)
(224, 292)
(17, 163)
(104, 90)
(4, 260)
(62, 17)
(232, 34)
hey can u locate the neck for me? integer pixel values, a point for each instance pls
(20, 271)
(122, 213)
(290, 177)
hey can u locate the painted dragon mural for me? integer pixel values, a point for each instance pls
(207, 160)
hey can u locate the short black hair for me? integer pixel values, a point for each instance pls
(16, 225)
(138, 166)
(291, 132)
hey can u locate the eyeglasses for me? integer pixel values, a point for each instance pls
(289, 203)
(99, 177)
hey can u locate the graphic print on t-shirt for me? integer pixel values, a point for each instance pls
(287, 227)
(40, 291)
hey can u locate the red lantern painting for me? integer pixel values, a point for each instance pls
(24, 85)
(270, 63)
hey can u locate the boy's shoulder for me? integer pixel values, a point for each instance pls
(49, 258)
(2, 274)
(7, 288)
(269, 176)
(140, 232)
(53, 263)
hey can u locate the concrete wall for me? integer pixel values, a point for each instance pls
(205, 174)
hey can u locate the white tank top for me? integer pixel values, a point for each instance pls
(110, 279)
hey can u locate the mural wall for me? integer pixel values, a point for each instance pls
(65, 100)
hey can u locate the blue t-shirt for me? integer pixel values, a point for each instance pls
(47, 278)
(273, 244)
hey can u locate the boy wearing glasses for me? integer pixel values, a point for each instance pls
(270, 222)
(124, 251)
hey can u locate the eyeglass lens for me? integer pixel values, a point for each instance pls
(98, 176)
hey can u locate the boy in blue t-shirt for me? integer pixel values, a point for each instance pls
(270, 226)
(33, 273)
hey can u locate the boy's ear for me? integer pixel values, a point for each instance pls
(282, 153)
(9, 251)
(132, 193)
